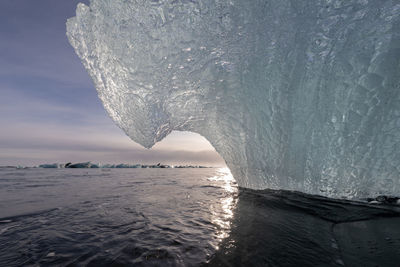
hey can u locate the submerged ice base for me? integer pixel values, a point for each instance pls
(298, 95)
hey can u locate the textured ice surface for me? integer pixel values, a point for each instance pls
(299, 95)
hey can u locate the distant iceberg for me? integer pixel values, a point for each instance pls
(79, 165)
(90, 165)
(51, 166)
(119, 166)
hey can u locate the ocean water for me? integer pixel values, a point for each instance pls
(182, 217)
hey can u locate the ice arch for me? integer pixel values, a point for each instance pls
(293, 94)
(186, 148)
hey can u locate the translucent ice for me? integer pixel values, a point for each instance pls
(300, 95)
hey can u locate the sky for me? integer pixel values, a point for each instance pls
(49, 109)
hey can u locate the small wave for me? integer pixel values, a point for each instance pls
(20, 217)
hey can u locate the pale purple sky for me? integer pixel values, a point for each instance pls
(49, 110)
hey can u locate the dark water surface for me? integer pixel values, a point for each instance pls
(182, 217)
(116, 216)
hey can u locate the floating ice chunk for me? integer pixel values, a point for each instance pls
(79, 165)
(51, 254)
(300, 95)
(51, 166)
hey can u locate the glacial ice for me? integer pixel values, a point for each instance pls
(299, 95)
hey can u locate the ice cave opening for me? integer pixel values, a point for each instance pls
(188, 149)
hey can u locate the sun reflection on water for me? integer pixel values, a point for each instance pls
(222, 212)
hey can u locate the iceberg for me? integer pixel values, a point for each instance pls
(297, 95)
(51, 166)
(82, 165)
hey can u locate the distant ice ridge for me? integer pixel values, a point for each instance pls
(299, 95)
(90, 165)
